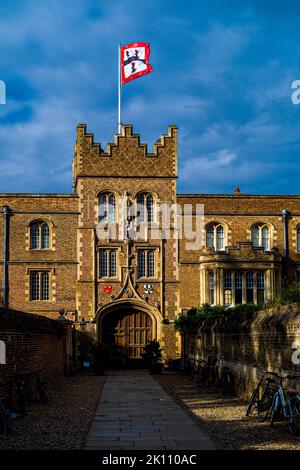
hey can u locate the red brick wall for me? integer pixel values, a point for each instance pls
(33, 343)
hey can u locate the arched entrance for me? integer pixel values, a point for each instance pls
(127, 332)
(127, 326)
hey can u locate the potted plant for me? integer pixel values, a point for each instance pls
(153, 357)
(101, 356)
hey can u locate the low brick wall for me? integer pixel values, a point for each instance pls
(33, 343)
(250, 346)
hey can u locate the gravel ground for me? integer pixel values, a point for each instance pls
(223, 419)
(63, 423)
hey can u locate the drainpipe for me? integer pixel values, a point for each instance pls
(6, 219)
(286, 251)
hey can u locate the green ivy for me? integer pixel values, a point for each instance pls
(288, 295)
(193, 318)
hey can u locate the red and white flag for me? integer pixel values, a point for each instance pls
(135, 61)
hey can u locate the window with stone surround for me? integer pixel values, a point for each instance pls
(261, 236)
(146, 263)
(39, 285)
(215, 236)
(39, 236)
(250, 287)
(260, 287)
(227, 288)
(145, 205)
(107, 263)
(107, 207)
(238, 284)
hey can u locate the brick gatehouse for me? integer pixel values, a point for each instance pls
(129, 290)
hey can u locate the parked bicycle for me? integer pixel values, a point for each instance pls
(263, 395)
(207, 374)
(6, 414)
(21, 397)
(286, 404)
(226, 381)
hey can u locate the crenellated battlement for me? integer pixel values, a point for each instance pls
(127, 156)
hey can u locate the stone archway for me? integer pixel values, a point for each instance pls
(126, 326)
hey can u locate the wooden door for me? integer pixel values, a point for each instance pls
(139, 333)
(127, 332)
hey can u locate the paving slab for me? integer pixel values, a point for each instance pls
(135, 412)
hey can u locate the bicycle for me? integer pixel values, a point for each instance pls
(288, 406)
(226, 381)
(6, 415)
(197, 367)
(207, 373)
(263, 395)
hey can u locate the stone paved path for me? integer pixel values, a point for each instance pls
(136, 413)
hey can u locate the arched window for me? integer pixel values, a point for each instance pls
(215, 237)
(39, 236)
(220, 238)
(261, 236)
(45, 236)
(107, 207)
(298, 238)
(145, 207)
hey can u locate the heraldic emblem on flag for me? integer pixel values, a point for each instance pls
(135, 61)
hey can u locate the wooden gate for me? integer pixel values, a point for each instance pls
(127, 332)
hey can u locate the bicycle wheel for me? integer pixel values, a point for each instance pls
(265, 403)
(293, 409)
(3, 424)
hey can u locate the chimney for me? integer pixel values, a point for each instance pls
(236, 190)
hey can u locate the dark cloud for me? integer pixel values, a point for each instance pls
(222, 73)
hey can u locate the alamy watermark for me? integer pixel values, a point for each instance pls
(134, 221)
(296, 353)
(2, 92)
(295, 97)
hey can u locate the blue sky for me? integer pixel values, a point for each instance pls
(222, 73)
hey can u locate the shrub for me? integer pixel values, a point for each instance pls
(288, 295)
(192, 320)
(153, 357)
(194, 317)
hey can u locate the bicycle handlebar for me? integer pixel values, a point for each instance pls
(292, 376)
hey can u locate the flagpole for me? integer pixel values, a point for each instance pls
(119, 90)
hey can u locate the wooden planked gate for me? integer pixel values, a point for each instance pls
(127, 332)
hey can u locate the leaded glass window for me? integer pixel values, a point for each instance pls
(215, 237)
(39, 285)
(39, 236)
